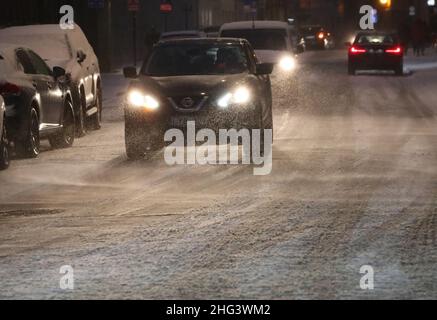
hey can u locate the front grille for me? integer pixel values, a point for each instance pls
(188, 103)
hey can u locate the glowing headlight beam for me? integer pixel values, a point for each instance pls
(287, 64)
(140, 100)
(239, 96)
(224, 101)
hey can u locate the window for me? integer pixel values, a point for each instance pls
(24, 61)
(39, 65)
(260, 39)
(376, 39)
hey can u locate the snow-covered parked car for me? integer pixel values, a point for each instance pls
(38, 101)
(70, 50)
(4, 145)
(273, 41)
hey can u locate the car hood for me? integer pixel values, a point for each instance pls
(58, 63)
(270, 56)
(190, 85)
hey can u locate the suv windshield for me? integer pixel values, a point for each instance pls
(195, 59)
(261, 39)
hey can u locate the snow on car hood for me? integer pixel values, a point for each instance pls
(270, 56)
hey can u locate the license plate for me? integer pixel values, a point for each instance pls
(180, 121)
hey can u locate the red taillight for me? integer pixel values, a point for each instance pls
(357, 50)
(9, 89)
(397, 50)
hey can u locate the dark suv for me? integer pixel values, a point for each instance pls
(215, 82)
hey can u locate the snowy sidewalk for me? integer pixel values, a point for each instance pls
(429, 61)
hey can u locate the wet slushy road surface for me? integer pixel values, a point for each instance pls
(354, 183)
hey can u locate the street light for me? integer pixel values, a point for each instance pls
(386, 4)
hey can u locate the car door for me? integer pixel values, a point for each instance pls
(79, 43)
(51, 93)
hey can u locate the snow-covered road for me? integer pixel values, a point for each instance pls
(354, 183)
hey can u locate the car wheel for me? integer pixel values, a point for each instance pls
(30, 146)
(260, 124)
(141, 140)
(399, 71)
(81, 118)
(96, 118)
(65, 138)
(4, 150)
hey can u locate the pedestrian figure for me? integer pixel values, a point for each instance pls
(419, 37)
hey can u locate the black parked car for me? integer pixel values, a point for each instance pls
(376, 51)
(38, 102)
(215, 82)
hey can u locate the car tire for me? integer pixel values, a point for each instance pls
(399, 71)
(30, 146)
(140, 139)
(81, 117)
(96, 118)
(65, 138)
(4, 150)
(260, 124)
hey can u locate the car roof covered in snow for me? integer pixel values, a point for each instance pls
(7, 50)
(259, 24)
(200, 41)
(49, 41)
(39, 29)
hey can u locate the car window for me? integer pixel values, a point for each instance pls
(196, 59)
(39, 65)
(260, 39)
(24, 60)
(251, 56)
(375, 39)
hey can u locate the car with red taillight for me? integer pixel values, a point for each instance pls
(376, 51)
(317, 37)
(37, 99)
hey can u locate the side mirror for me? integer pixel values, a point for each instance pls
(264, 68)
(130, 72)
(58, 72)
(81, 56)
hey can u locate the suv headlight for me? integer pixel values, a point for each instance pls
(239, 96)
(140, 100)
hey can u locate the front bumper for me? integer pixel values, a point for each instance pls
(208, 117)
(375, 62)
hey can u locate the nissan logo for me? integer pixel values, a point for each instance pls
(187, 102)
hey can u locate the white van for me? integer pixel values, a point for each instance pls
(273, 41)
